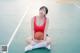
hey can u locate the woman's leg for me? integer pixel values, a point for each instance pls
(46, 43)
(29, 40)
(30, 44)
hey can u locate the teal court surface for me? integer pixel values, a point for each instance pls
(64, 26)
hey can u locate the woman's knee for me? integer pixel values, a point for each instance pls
(48, 40)
(28, 39)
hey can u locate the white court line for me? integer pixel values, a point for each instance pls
(15, 31)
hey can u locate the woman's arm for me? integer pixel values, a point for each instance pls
(29, 39)
(46, 27)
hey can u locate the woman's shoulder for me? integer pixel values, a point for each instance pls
(33, 18)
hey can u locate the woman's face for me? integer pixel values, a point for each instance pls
(42, 12)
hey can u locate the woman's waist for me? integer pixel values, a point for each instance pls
(39, 35)
(38, 31)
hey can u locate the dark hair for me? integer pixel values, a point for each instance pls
(44, 7)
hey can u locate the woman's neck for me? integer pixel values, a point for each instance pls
(41, 17)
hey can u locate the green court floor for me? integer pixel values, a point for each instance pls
(39, 50)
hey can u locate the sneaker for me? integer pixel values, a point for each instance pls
(27, 48)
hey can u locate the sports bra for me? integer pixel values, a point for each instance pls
(39, 28)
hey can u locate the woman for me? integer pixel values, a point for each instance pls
(39, 26)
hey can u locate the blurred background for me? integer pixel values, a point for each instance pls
(64, 23)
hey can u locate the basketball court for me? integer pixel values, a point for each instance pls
(64, 25)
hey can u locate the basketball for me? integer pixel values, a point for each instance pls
(39, 36)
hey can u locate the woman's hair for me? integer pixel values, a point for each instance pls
(44, 7)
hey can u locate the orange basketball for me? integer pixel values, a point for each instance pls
(39, 36)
